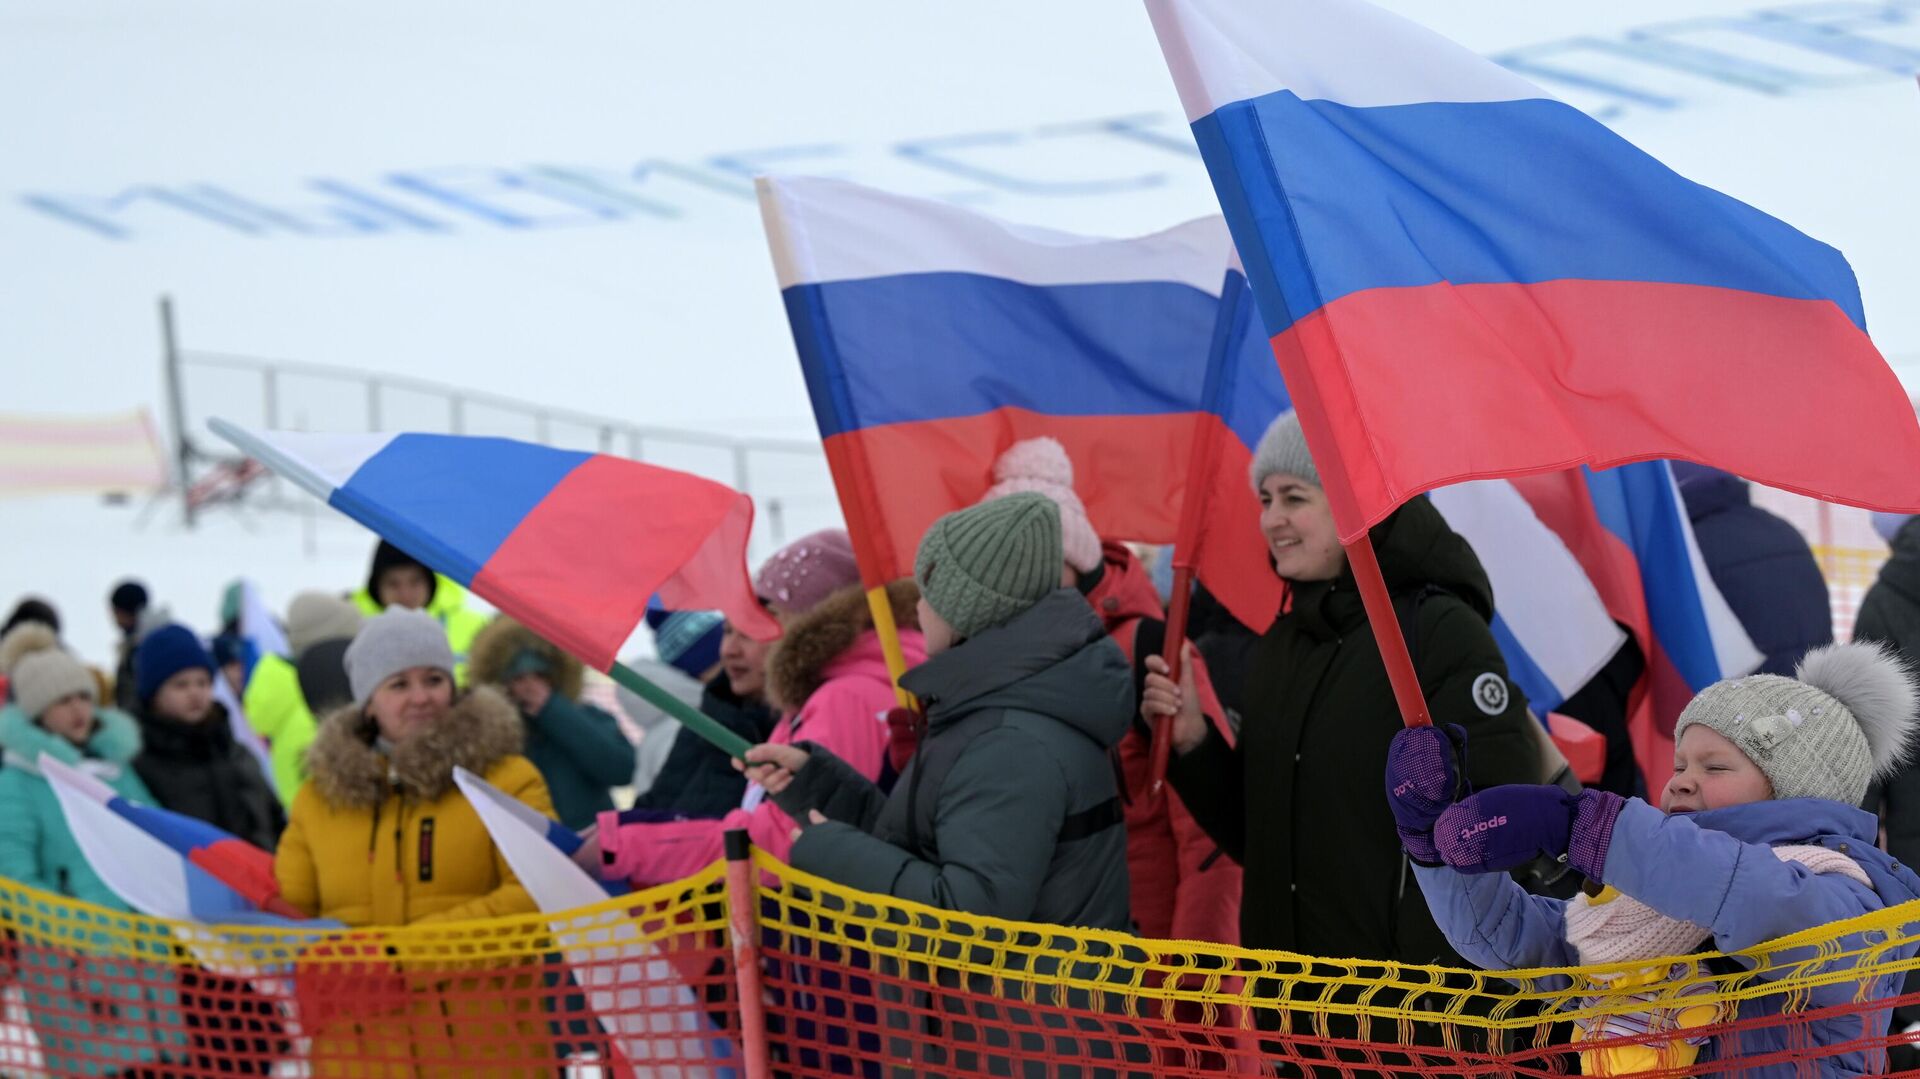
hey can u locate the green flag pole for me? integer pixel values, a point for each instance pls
(694, 720)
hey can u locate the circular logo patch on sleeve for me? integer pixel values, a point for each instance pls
(1490, 693)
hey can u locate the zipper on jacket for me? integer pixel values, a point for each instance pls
(373, 833)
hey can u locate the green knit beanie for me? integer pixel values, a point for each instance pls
(980, 566)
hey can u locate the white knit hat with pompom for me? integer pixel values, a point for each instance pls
(1844, 719)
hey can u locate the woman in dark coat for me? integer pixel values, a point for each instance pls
(1298, 802)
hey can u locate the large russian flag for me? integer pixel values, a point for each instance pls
(572, 544)
(932, 338)
(1551, 623)
(1472, 279)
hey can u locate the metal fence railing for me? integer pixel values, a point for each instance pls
(787, 477)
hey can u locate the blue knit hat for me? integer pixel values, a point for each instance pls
(164, 653)
(688, 640)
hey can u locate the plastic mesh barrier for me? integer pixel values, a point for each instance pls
(644, 981)
(859, 984)
(856, 984)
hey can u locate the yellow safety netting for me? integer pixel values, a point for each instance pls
(852, 983)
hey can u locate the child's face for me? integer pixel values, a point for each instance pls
(1710, 772)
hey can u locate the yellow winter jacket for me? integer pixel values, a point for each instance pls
(379, 842)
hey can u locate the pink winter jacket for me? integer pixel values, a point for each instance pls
(846, 697)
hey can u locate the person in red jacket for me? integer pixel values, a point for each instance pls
(1184, 887)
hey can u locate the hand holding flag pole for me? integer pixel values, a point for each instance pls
(572, 544)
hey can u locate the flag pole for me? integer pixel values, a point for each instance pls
(1193, 501)
(1386, 632)
(881, 606)
(1162, 745)
(1201, 462)
(695, 721)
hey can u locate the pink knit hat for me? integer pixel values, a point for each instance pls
(1041, 465)
(808, 570)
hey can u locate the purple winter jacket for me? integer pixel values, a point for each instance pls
(1713, 869)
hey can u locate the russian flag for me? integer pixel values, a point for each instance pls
(932, 338)
(1471, 279)
(640, 995)
(572, 544)
(1553, 628)
(1629, 529)
(165, 864)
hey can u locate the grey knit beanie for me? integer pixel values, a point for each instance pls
(313, 617)
(39, 671)
(980, 566)
(1283, 449)
(395, 641)
(1845, 718)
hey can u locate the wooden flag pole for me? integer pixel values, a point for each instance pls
(1162, 746)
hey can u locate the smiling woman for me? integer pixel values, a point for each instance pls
(1318, 716)
(380, 836)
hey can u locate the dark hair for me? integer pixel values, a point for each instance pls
(33, 609)
(129, 596)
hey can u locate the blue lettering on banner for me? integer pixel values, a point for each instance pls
(1660, 67)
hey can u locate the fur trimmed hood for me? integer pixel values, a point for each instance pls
(501, 642)
(796, 666)
(479, 731)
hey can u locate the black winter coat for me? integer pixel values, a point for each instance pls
(200, 770)
(698, 779)
(1890, 613)
(1761, 564)
(1301, 802)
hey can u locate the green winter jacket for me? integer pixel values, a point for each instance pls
(36, 848)
(277, 711)
(582, 755)
(1300, 802)
(1009, 807)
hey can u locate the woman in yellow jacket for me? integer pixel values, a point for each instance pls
(380, 836)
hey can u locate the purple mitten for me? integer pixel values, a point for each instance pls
(1507, 827)
(1426, 767)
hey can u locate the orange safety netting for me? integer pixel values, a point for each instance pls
(857, 984)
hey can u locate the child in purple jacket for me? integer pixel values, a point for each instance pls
(1757, 837)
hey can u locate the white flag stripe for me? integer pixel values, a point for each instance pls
(1344, 51)
(611, 961)
(1541, 591)
(145, 873)
(318, 463)
(831, 230)
(1733, 648)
